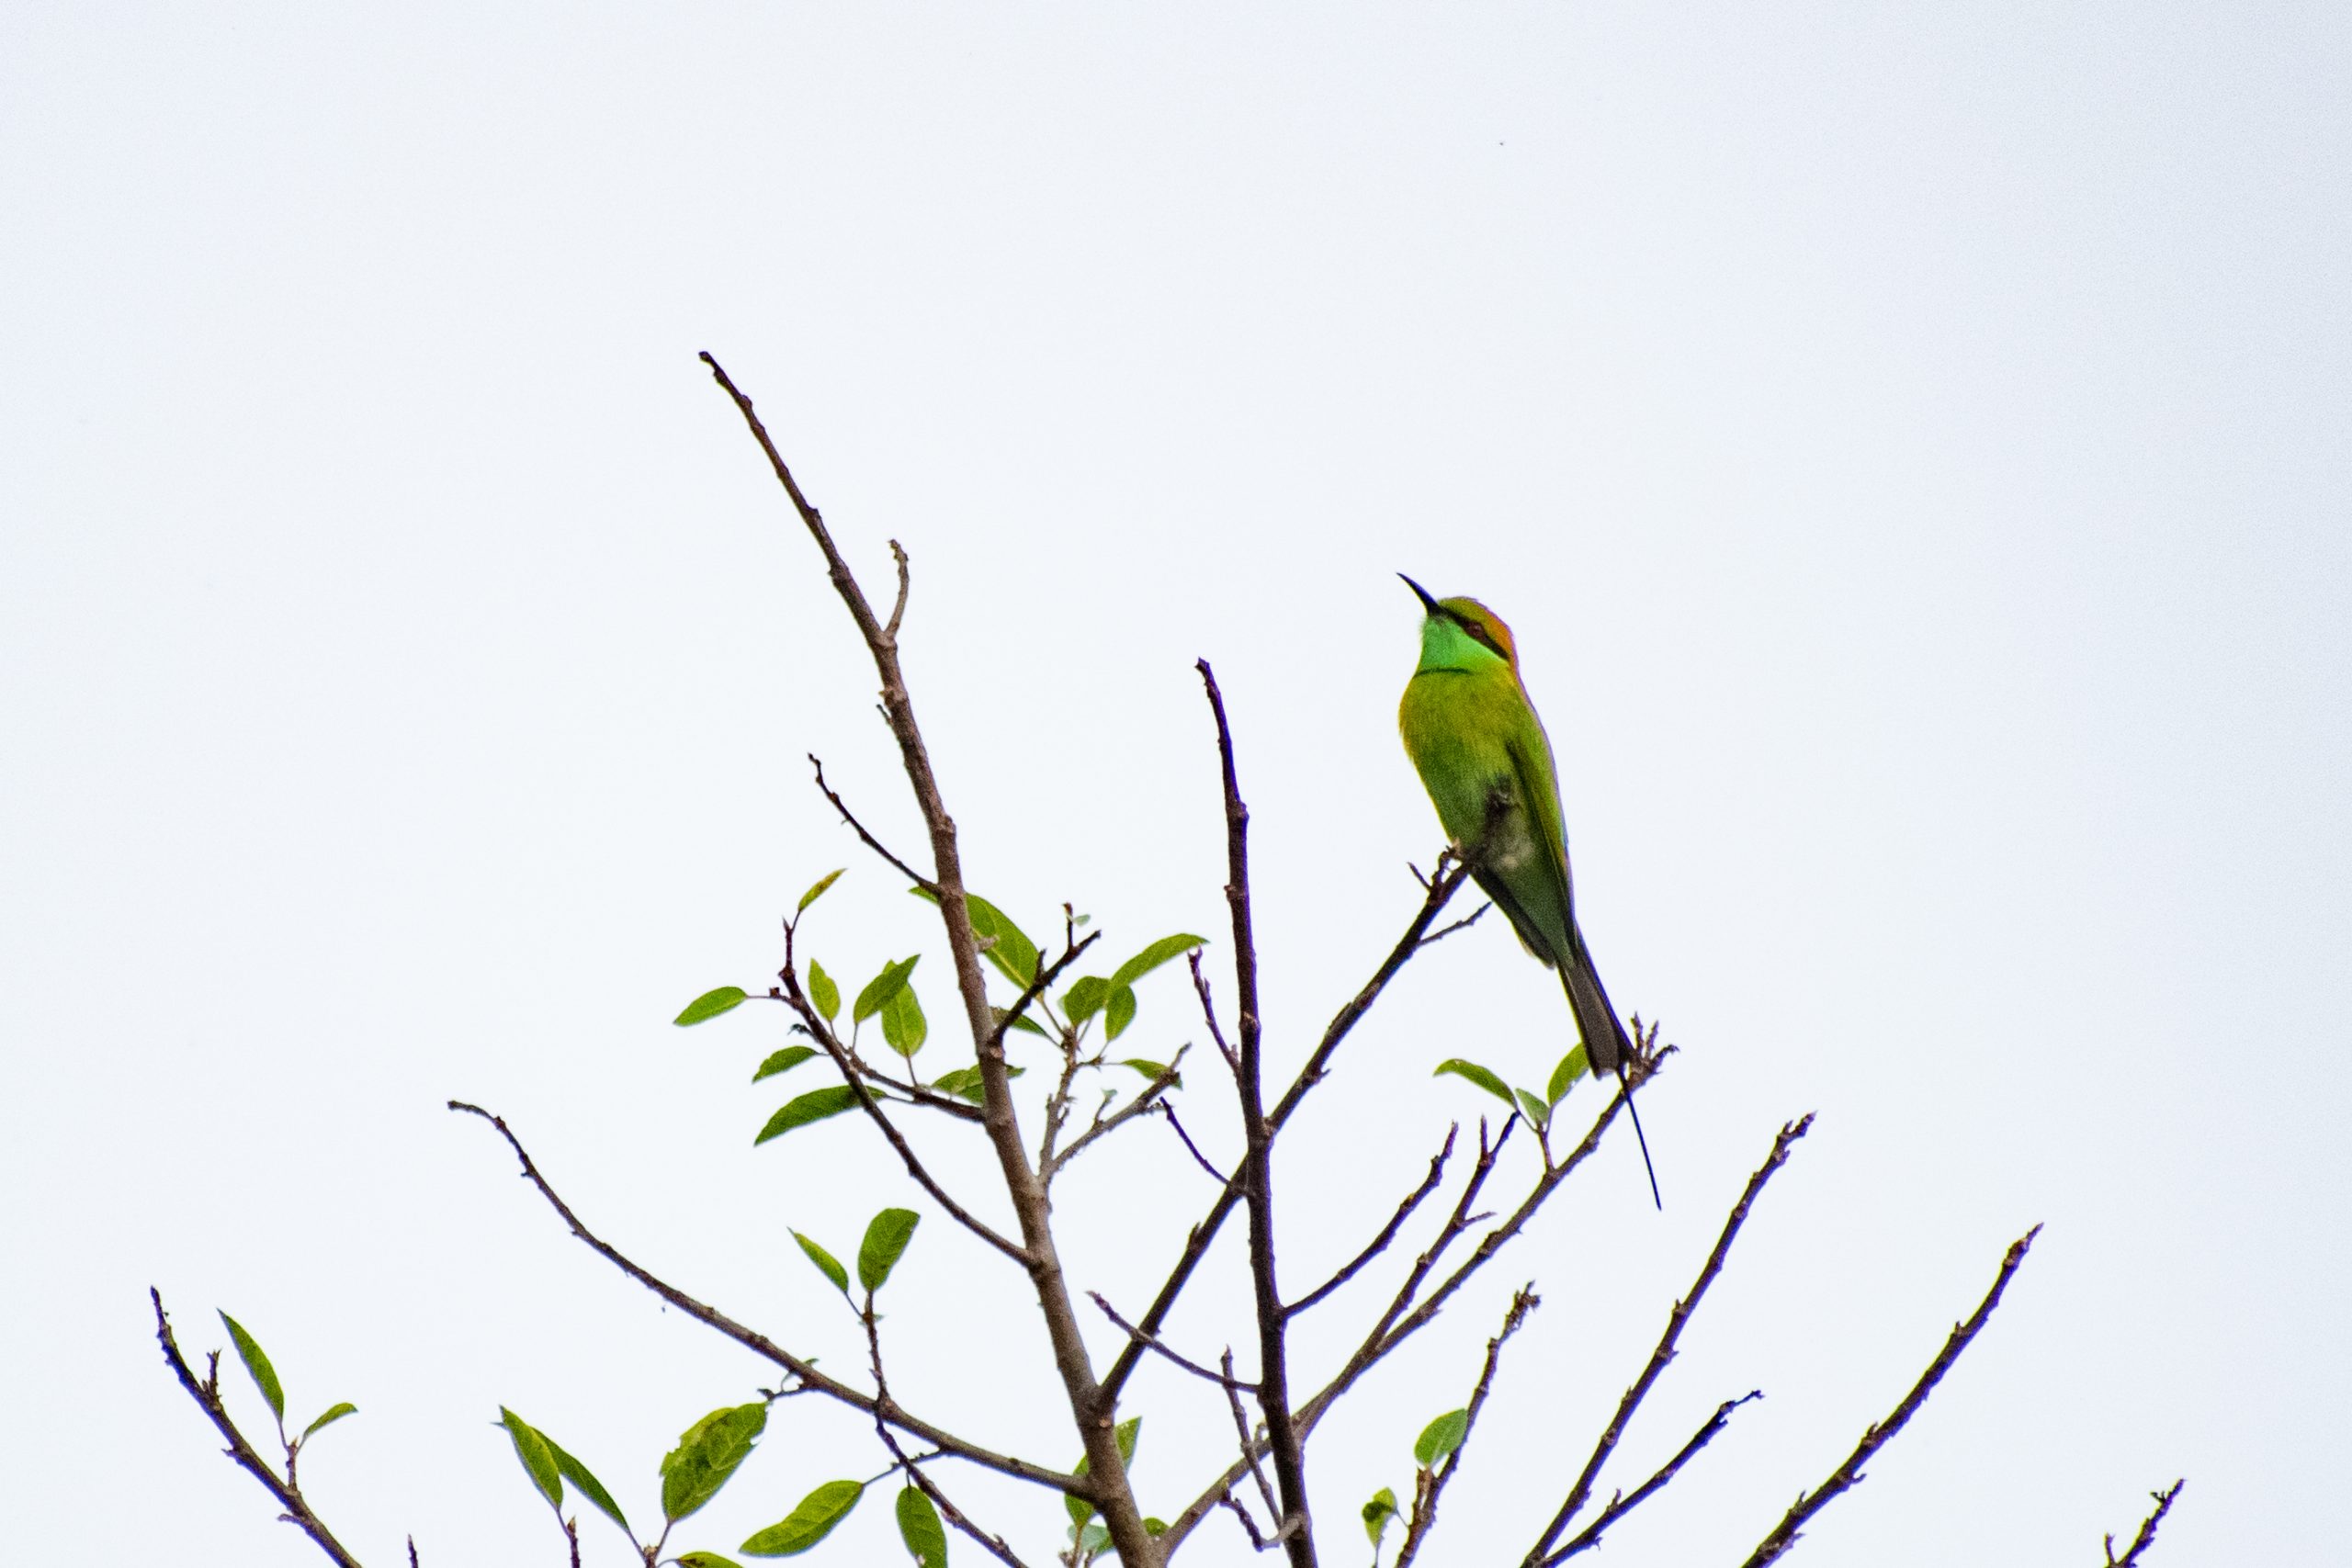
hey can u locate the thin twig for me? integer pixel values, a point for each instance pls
(1257, 1177)
(1785, 1534)
(1198, 1159)
(1208, 1010)
(872, 1105)
(877, 845)
(1387, 1231)
(1249, 1445)
(1626, 1501)
(207, 1394)
(2147, 1536)
(1103, 1126)
(1463, 924)
(1425, 1499)
(1675, 1322)
(898, 610)
(760, 1345)
(1225, 1380)
(993, 1545)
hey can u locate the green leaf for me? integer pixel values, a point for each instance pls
(818, 891)
(814, 1106)
(1378, 1513)
(1537, 1111)
(1480, 1076)
(590, 1487)
(1093, 1539)
(708, 1453)
(824, 992)
(710, 1004)
(1085, 998)
(1152, 1070)
(784, 1061)
(706, 1559)
(962, 1082)
(257, 1366)
(827, 1264)
(1152, 957)
(1021, 1023)
(1128, 1431)
(1005, 945)
(1572, 1065)
(886, 1241)
(538, 1459)
(881, 988)
(920, 1528)
(1117, 1013)
(903, 1027)
(1441, 1438)
(335, 1414)
(808, 1523)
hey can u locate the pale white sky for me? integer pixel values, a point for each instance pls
(1911, 449)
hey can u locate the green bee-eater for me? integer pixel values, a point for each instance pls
(1482, 754)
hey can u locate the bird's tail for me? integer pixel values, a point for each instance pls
(1606, 1046)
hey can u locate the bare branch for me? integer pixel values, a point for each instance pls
(1675, 1322)
(1250, 1444)
(877, 845)
(1387, 1231)
(207, 1394)
(1194, 1149)
(1463, 924)
(1625, 1503)
(1425, 1498)
(1258, 1177)
(1785, 1534)
(898, 610)
(1438, 893)
(760, 1345)
(1224, 1381)
(2147, 1536)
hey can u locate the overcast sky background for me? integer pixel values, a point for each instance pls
(1911, 446)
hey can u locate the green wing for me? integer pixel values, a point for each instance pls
(1540, 889)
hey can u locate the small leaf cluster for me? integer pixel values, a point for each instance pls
(1537, 1109)
(889, 1002)
(265, 1376)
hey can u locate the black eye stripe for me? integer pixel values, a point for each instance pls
(1477, 631)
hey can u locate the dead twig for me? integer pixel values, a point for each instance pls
(1785, 1534)
(1675, 1322)
(2147, 1536)
(1387, 1231)
(1626, 1501)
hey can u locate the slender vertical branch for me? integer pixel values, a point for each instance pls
(1257, 1167)
(1785, 1534)
(1437, 891)
(206, 1392)
(1675, 1321)
(1092, 1408)
(1425, 1498)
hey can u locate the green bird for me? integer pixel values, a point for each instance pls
(1483, 756)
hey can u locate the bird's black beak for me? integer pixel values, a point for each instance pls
(1428, 603)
